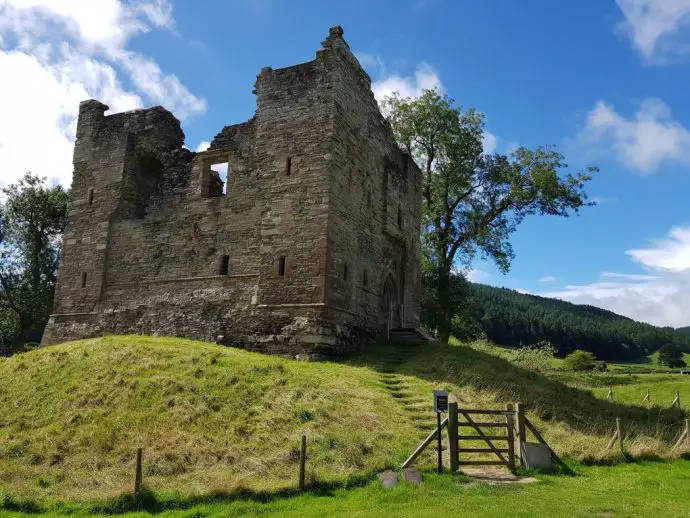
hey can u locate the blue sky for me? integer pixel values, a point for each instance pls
(604, 80)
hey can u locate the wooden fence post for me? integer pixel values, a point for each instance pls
(510, 425)
(521, 433)
(647, 398)
(685, 436)
(610, 394)
(453, 437)
(302, 462)
(138, 476)
(620, 434)
(676, 402)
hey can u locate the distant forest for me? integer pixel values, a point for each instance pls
(514, 319)
(684, 330)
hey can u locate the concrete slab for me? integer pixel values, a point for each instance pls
(388, 478)
(536, 455)
(412, 475)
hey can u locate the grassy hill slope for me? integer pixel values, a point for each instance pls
(214, 419)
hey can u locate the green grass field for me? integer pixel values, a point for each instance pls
(657, 489)
(222, 421)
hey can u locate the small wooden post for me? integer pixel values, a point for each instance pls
(510, 425)
(676, 402)
(620, 434)
(647, 398)
(522, 434)
(302, 462)
(610, 394)
(138, 475)
(439, 445)
(453, 437)
(685, 436)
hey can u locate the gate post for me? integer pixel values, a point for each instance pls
(453, 437)
(510, 416)
(521, 435)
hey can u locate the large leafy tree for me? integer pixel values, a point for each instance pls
(473, 202)
(671, 355)
(32, 218)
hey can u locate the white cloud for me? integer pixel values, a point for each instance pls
(669, 254)
(56, 53)
(548, 278)
(425, 78)
(642, 142)
(657, 28)
(490, 141)
(203, 146)
(476, 275)
(660, 297)
(629, 276)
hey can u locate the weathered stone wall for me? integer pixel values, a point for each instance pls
(315, 182)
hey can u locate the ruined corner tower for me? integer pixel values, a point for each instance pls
(309, 247)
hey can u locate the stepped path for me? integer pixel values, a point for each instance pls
(416, 409)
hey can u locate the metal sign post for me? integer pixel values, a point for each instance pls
(440, 406)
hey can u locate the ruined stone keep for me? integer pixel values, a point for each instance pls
(310, 247)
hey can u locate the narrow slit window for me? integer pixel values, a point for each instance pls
(399, 217)
(365, 279)
(288, 166)
(83, 280)
(345, 272)
(281, 265)
(225, 265)
(90, 196)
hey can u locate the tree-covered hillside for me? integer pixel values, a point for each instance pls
(511, 318)
(684, 330)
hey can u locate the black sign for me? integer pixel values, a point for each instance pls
(440, 401)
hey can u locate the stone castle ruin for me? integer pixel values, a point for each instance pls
(310, 246)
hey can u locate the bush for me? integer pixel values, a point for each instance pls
(672, 356)
(601, 367)
(580, 361)
(535, 357)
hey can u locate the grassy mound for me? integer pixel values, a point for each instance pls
(213, 419)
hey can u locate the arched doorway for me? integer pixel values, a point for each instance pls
(390, 305)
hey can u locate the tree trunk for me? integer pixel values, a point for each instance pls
(443, 299)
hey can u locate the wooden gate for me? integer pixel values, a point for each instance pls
(497, 431)
(493, 429)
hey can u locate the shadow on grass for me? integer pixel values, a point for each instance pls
(550, 399)
(151, 502)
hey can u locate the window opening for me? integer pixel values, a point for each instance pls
(281, 265)
(215, 180)
(225, 265)
(345, 272)
(288, 166)
(220, 178)
(83, 280)
(399, 217)
(365, 279)
(91, 196)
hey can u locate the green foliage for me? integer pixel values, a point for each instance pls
(473, 202)
(511, 318)
(672, 356)
(32, 218)
(684, 330)
(580, 361)
(535, 357)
